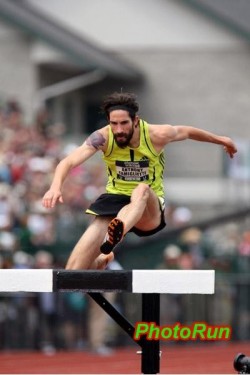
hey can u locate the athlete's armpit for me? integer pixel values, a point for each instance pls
(95, 140)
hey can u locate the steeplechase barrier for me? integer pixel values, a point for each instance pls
(149, 283)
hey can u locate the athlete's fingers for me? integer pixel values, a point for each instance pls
(50, 199)
(55, 198)
(230, 151)
(47, 203)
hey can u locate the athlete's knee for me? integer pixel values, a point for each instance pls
(72, 264)
(142, 191)
(142, 188)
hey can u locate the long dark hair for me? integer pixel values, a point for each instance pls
(120, 100)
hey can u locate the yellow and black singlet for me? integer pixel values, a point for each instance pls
(127, 167)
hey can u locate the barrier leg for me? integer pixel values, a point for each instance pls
(150, 361)
(113, 313)
(150, 350)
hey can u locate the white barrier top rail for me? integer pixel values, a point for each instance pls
(133, 281)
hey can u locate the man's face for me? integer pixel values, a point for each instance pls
(122, 126)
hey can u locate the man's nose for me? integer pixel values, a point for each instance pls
(119, 129)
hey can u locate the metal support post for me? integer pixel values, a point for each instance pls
(150, 362)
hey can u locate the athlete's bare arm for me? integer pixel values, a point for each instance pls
(161, 135)
(97, 141)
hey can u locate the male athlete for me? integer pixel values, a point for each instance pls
(133, 152)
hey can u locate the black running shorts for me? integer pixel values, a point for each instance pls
(111, 204)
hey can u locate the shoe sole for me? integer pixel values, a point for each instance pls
(115, 231)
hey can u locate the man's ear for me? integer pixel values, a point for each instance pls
(137, 119)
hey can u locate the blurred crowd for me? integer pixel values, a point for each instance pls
(33, 237)
(28, 156)
(226, 249)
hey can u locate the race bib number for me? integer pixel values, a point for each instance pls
(132, 170)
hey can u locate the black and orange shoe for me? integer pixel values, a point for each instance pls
(113, 237)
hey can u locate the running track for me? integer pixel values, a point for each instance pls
(204, 358)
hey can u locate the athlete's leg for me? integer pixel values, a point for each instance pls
(86, 253)
(143, 212)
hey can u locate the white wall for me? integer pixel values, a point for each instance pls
(17, 73)
(121, 24)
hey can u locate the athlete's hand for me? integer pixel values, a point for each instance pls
(229, 146)
(52, 197)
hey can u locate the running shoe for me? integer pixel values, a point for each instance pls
(113, 236)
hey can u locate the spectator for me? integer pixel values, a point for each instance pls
(170, 303)
(48, 313)
(98, 322)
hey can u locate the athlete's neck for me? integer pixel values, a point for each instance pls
(135, 140)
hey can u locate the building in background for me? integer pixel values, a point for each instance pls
(187, 60)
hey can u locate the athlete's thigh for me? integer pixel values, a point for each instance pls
(151, 217)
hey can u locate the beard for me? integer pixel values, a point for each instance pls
(122, 139)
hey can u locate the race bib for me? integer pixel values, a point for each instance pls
(132, 170)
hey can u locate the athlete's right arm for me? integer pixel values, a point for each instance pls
(95, 142)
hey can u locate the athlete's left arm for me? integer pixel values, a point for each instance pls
(169, 133)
